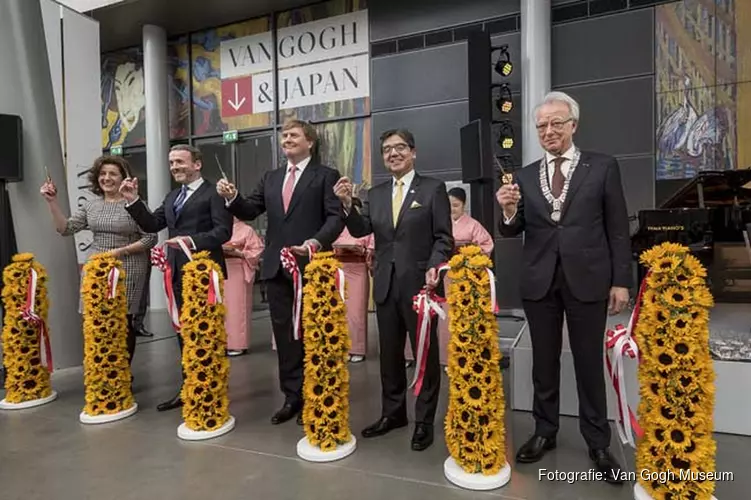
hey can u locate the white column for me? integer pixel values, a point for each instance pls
(27, 91)
(156, 87)
(535, 34)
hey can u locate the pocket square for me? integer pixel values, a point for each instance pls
(415, 205)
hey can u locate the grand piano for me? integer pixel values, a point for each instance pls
(710, 215)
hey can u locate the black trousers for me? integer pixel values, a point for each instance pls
(397, 319)
(177, 289)
(280, 293)
(131, 339)
(586, 329)
(144, 303)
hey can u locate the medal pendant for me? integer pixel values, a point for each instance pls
(556, 215)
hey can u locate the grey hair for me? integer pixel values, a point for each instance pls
(551, 97)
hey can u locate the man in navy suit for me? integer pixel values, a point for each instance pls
(303, 213)
(193, 213)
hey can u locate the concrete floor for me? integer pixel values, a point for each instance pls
(46, 453)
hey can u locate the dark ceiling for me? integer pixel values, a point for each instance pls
(121, 25)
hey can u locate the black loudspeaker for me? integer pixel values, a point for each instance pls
(11, 148)
(472, 152)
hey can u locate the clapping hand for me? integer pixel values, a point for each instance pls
(48, 191)
(343, 190)
(226, 189)
(508, 197)
(129, 189)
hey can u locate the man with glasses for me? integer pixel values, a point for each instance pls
(410, 218)
(576, 261)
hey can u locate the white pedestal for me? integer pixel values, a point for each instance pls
(4, 405)
(311, 453)
(476, 482)
(85, 418)
(183, 432)
(641, 494)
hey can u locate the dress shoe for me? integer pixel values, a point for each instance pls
(606, 465)
(383, 426)
(423, 437)
(173, 403)
(534, 449)
(286, 413)
(143, 332)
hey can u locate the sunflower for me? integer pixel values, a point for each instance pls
(474, 425)
(204, 358)
(675, 376)
(326, 345)
(26, 379)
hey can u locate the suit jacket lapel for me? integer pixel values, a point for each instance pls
(305, 178)
(409, 197)
(582, 169)
(204, 185)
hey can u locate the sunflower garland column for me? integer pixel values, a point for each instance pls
(474, 426)
(676, 379)
(27, 355)
(107, 377)
(326, 343)
(205, 400)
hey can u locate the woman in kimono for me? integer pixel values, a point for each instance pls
(356, 256)
(242, 253)
(466, 231)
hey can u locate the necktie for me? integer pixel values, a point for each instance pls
(558, 180)
(289, 187)
(180, 200)
(396, 201)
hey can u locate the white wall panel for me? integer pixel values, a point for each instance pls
(52, 16)
(83, 110)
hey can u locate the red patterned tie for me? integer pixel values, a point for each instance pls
(289, 187)
(558, 180)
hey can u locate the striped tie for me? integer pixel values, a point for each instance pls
(180, 200)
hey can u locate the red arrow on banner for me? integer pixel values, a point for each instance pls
(237, 97)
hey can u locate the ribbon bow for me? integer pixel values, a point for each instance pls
(427, 304)
(159, 260)
(619, 345)
(289, 264)
(29, 314)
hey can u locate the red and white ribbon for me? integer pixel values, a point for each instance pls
(427, 304)
(29, 314)
(340, 282)
(289, 264)
(112, 279)
(493, 300)
(159, 260)
(620, 344)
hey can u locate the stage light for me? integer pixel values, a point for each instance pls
(506, 138)
(505, 103)
(503, 65)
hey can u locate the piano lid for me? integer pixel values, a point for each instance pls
(718, 188)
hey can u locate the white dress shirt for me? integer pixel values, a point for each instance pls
(406, 183)
(192, 188)
(298, 173)
(568, 157)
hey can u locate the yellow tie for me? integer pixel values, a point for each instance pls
(396, 201)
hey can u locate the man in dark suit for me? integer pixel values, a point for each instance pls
(410, 218)
(302, 212)
(577, 262)
(193, 213)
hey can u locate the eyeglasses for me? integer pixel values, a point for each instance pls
(399, 148)
(556, 125)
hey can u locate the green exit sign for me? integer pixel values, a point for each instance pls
(116, 150)
(230, 136)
